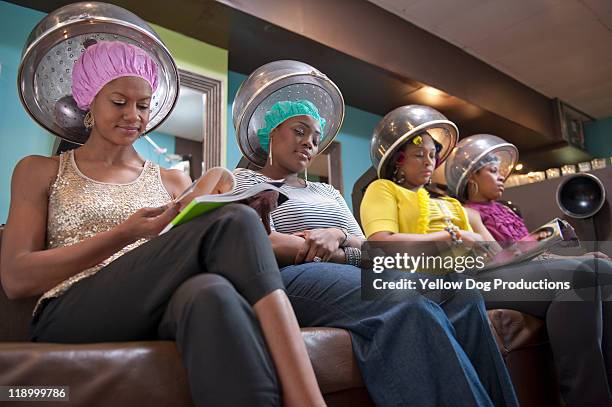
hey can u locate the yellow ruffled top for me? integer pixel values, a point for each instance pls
(388, 207)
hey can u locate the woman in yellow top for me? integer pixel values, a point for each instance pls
(411, 210)
(397, 208)
(408, 144)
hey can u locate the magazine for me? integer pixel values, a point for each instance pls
(216, 188)
(217, 180)
(555, 232)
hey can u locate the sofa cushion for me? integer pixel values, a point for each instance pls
(151, 373)
(118, 374)
(331, 354)
(514, 330)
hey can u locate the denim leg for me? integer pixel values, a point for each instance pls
(406, 350)
(468, 315)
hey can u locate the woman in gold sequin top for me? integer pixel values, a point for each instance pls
(82, 232)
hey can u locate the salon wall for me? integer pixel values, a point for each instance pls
(200, 58)
(354, 137)
(20, 136)
(147, 151)
(598, 137)
(16, 22)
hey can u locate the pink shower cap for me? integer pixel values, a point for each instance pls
(106, 61)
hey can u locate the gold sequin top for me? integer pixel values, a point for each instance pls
(80, 207)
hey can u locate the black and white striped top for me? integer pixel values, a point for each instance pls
(318, 205)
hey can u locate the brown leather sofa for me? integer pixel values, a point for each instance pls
(151, 374)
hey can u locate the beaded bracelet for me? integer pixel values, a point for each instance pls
(352, 256)
(454, 234)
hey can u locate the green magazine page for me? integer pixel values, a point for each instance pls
(195, 209)
(207, 203)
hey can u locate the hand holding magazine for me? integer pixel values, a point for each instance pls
(216, 188)
(217, 180)
(555, 232)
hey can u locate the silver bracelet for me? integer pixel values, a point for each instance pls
(346, 237)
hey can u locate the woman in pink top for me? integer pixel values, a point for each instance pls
(485, 186)
(578, 321)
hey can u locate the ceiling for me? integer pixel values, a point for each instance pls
(561, 48)
(371, 57)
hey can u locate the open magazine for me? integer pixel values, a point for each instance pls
(216, 188)
(555, 232)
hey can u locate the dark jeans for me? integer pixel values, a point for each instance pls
(413, 352)
(194, 284)
(578, 321)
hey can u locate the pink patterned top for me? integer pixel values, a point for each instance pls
(503, 224)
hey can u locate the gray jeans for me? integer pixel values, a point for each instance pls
(578, 321)
(194, 284)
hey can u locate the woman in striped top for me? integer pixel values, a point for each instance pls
(323, 218)
(408, 351)
(315, 224)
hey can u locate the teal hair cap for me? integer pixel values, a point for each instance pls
(283, 110)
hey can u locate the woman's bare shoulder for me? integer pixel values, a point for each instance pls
(35, 174)
(41, 160)
(471, 211)
(473, 215)
(37, 167)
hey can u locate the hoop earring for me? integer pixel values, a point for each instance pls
(88, 120)
(398, 176)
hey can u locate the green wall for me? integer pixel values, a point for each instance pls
(200, 58)
(598, 137)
